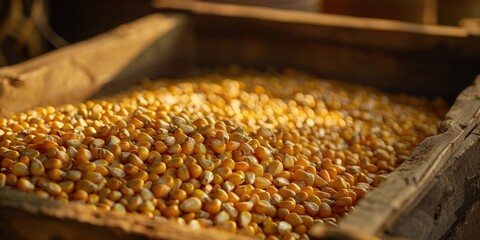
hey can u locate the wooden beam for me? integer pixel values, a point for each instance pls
(287, 16)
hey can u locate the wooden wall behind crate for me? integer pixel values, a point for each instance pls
(417, 11)
(304, 5)
(81, 19)
(450, 12)
(76, 20)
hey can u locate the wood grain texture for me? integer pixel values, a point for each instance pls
(303, 5)
(451, 199)
(48, 219)
(77, 71)
(468, 228)
(230, 10)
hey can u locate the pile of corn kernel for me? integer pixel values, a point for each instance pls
(261, 154)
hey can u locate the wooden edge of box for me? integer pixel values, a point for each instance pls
(77, 71)
(291, 16)
(136, 225)
(407, 184)
(16, 206)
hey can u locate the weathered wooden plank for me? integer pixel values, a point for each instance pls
(48, 219)
(451, 200)
(230, 10)
(79, 70)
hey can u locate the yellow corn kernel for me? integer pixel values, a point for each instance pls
(20, 169)
(191, 204)
(25, 185)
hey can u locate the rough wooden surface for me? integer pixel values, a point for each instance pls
(468, 228)
(76, 72)
(450, 208)
(24, 216)
(308, 18)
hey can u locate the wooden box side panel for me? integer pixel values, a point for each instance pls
(50, 219)
(148, 47)
(448, 197)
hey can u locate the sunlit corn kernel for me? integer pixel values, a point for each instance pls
(11, 154)
(250, 177)
(73, 175)
(86, 185)
(270, 228)
(244, 206)
(284, 227)
(195, 170)
(213, 206)
(341, 193)
(221, 217)
(263, 207)
(134, 203)
(7, 163)
(95, 177)
(302, 175)
(288, 161)
(83, 155)
(281, 182)
(206, 177)
(261, 182)
(325, 210)
(293, 219)
(136, 184)
(206, 164)
(223, 172)
(192, 204)
(229, 226)
(236, 178)
(53, 188)
(25, 185)
(175, 162)
(311, 208)
(178, 194)
(275, 168)
(3, 179)
(344, 201)
(87, 166)
(230, 208)
(286, 193)
(218, 146)
(20, 169)
(56, 174)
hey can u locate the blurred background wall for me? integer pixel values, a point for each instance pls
(31, 27)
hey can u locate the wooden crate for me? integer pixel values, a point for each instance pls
(429, 196)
